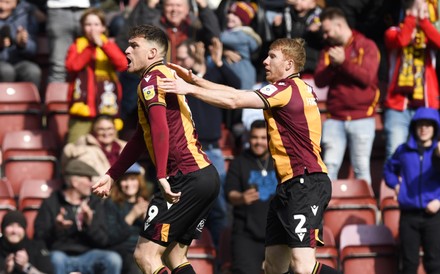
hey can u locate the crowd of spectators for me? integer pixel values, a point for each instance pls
(375, 57)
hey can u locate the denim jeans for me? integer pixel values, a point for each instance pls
(396, 127)
(359, 134)
(91, 262)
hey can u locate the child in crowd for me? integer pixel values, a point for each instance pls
(241, 39)
(92, 63)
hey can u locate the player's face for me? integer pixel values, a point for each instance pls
(137, 54)
(275, 65)
(258, 141)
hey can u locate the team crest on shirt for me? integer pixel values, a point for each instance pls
(268, 90)
(148, 92)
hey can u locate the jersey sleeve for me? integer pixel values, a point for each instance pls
(275, 95)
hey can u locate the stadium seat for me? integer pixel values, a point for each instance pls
(57, 110)
(368, 249)
(202, 254)
(389, 209)
(32, 194)
(352, 202)
(224, 250)
(20, 107)
(7, 201)
(29, 143)
(20, 168)
(328, 254)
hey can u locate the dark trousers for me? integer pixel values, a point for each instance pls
(247, 254)
(419, 229)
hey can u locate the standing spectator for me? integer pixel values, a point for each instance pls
(125, 211)
(413, 172)
(18, 31)
(188, 181)
(72, 224)
(176, 19)
(301, 19)
(18, 254)
(62, 27)
(99, 149)
(348, 66)
(240, 38)
(208, 119)
(250, 185)
(294, 222)
(413, 80)
(92, 62)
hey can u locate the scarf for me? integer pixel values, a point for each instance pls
(104, 99)
(410, 81)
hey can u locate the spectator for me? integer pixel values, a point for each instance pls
(18, 31)
(100, 148)
(175, 18)
(92, 62)
(19, 254)
(413, 80)
(240, 38)
(348, 66)
(63, 27)
(208, 119)
(301, 19)
(250, 185)
(125, 213)
(413, 172)
(72, 224)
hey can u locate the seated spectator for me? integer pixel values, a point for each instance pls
(100, 148)
(413, 171)
(18, 30)
(249, 187)
(72, 224)
(125, 212)
(92, 64)
(18, 254)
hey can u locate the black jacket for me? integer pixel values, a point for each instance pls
(72, 241)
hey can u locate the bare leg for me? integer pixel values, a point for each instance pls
(148, 255)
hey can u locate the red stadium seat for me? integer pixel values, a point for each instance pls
(328, 254)
(202, 254)
(7, 201)
(352, 202)
(367, 249)
(20, 107)
(57, 110)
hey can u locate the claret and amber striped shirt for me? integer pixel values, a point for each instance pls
(165, 128)
(294, 127)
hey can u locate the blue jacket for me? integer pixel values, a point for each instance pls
(419, 179)
(23, 15)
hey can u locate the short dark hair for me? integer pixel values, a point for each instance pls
(331, 13)
(258, 124)
(151, 33)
